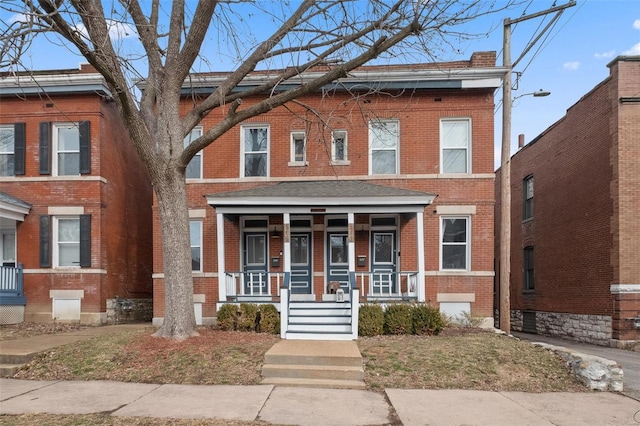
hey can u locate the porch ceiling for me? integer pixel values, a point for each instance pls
(329, 196)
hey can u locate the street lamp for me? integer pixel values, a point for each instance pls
(537, 94)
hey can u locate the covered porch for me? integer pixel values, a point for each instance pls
(320, 242)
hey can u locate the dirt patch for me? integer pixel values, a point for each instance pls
(30, 329)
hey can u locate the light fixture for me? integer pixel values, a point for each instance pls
(541, 93)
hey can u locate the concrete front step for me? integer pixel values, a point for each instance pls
(306, 335)
(315, 383)
(329, 372)
(8, 370)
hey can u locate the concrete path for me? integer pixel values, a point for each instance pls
(314, 406)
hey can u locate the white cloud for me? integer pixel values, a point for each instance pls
(605, 55)
(635, 50)
(571, 66)
(117, 30)
(636, 24)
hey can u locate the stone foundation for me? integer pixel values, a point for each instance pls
(121, 311)
(594, 329)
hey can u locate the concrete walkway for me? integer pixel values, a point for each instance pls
(306, 406)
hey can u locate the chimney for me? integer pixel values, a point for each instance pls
(520, 141)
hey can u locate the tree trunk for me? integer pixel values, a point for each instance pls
(179, 317)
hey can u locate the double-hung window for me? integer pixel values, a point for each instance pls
(194, 168)
(339, 146)
(298, 147)
(12, 148)
(527, 201)
(455, 243)
(527, 282)
(65, 148)
(383, 147)
(195, 233)
(65, 241)
(255, 150)
(455, 144)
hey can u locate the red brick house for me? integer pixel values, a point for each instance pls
(75, 203)
(575, 251)
(379, 188)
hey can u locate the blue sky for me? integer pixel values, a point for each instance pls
(569, 61)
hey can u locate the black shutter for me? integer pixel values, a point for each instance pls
(45, 241)
(45, 148)
(85, 240)
(85, 147)
(19, 144)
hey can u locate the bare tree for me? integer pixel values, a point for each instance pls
(334, 36)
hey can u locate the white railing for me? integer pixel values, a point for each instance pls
(252, 283)
(388, 284)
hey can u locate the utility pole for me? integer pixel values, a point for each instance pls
(505, 159)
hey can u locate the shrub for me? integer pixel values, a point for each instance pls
(248, 319)
(228, 317)
(397, 319)
(269, 319)
(370, 320)
(427, 319)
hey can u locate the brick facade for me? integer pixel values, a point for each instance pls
(584, 230)
(116, 194)
(419, 113)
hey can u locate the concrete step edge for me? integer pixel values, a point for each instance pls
(315, 383)
(300, 360)
(8, 370)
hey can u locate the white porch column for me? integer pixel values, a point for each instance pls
(287, 242)
(222, 286)
(352, 241)
(420, 243)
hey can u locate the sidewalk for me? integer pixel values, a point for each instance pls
(306, 406)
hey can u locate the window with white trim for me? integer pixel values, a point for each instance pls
(255, 150)
(194, 168)
(455, 237)
(66, 150)
(298, 147)
(383, 147)
(339, 145)
(195, 234)
(65, 241)
(7, 150)
(455, 144)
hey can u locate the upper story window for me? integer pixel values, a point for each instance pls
(298, 147)
(383, 147)
(255, 150)
(527, 201)
(455, 145)
(195, 232)
(339, 145)
(65, 148)
(527, 282)
(194, 168)
(455, 242)
(12, 148)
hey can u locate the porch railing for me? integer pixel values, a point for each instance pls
(12, 285)
(390, 285)
(355, 304)
(252, 283)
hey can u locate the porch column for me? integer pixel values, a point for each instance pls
(420, 290)
(222, 287)
(352, 242)
(286, 234)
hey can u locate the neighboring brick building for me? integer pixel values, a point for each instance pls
(383, 181)
(575, 252)
(75, 201)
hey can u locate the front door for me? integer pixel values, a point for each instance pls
(255, 263)
(383, 262)
(301, 263)
(338, 258)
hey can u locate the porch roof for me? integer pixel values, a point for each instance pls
(328, 196)
(13, 208)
